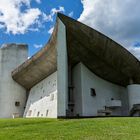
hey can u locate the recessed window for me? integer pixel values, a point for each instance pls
(92, 92)
(71, 110)
(47, 111)
(38, 114)
(17, 103)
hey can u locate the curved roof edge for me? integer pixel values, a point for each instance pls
(111, 62)
(103, 56)
(39, 66)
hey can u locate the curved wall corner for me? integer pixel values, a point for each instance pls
(133, 94)
(12, 95)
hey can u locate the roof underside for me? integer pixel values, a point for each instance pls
(38, 67)
(101, 55)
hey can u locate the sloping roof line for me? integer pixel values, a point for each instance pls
(103, 56)
(100, 54)
(39, 66)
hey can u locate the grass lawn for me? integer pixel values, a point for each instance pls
(75, 129)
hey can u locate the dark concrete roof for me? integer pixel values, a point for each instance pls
(100, 54)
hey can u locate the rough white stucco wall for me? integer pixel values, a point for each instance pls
(104, 92)
(42, 100)
(133, 94)
(76, 78)
(62, 67)
(10, 57)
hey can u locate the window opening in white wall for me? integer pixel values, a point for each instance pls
(47, 111)
(92, 92)
(38, 114)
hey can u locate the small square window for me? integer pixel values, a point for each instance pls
(17, 103)
(92, 92)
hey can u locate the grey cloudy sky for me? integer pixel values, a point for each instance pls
(118, 19)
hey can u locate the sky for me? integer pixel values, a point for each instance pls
(32, 21)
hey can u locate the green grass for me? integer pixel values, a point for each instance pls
(75, 129)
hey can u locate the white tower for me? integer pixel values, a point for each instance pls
(12, 95)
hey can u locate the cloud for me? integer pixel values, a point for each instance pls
(134, 48)
(38, 1)
(50, 30)
(37, 46)
(118, 19)
(16, 21)
(47, 18)
(53, 11)
(50, 17)
(1, 26)
(135, 51)
(136, 44)
(71, 14)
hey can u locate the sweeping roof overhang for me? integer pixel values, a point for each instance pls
(100, 54)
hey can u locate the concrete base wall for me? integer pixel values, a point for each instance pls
(11, 92)
(42, 100)
(87, 105)
(133, 94)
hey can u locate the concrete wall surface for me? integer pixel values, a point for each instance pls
(42, 100)
(88, 105)
(77, 92)
(62, 67)
(133, 94)
(12, 95)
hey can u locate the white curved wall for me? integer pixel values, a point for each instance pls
(11, 56)
(85, 104)
(133, 94)
(42, 100)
